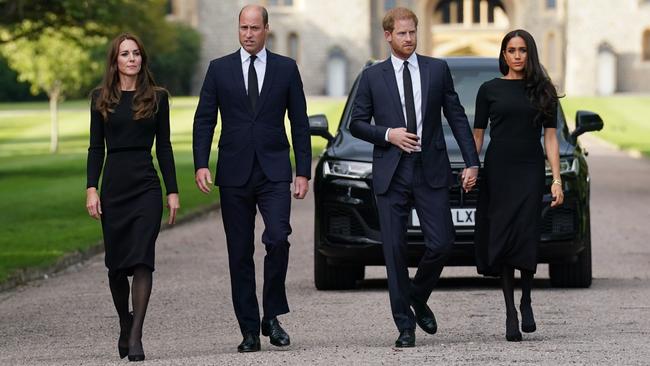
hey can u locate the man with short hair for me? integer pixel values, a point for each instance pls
(405, 95)
(252, 89)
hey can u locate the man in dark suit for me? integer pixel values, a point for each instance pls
(405, 95)
(253, 88)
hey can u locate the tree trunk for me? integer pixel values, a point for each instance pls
(54, 95)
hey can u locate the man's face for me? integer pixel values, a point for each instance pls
(403, 39)
(252, 32)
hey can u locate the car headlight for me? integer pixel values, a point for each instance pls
(567, 166)
(347, 169)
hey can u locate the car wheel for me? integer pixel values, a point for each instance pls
(331, 277)
(576, 274)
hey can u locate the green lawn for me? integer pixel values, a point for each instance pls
(626, 118)
(42, 196)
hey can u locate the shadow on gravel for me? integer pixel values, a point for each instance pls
(450, 284)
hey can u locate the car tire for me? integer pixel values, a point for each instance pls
(331, 277)
(576, 274)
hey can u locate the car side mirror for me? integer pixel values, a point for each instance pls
(318, 126)
(586, 121)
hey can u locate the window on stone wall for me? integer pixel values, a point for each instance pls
(279, 2)
(389, 4)
(551, 4)
(293, 43)
(481, 11)
(270, 42)
(645, 52)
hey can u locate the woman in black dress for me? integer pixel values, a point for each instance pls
(508, 215)
(127, 112)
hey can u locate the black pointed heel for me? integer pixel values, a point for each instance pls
(124, 337)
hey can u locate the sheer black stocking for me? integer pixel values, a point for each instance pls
(140, 292)
(119, 285)
(508, 286)
(527, 318)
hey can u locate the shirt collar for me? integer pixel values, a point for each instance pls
(261, 56)
(398, 63)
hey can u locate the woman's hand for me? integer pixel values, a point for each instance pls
(558, 195)
(93, 205)
(173, 204)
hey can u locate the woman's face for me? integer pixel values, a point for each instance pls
(129, 59)
(516, 54)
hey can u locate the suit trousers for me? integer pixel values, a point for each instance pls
(238, 208)
(409, 189)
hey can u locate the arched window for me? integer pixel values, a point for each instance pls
(270, 42)
(475, 11)
(645, 48)
(293, 43)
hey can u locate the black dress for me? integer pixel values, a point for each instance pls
(131, 196)
(508, 215)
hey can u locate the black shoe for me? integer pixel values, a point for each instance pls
(271, 328)
(136, 353)
(250, 343)
(124, 337)
(406, 338)
(527, 318)
(424, 316)
(512, 329)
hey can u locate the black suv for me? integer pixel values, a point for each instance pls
(346, 230)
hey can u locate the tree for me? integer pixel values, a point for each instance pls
(56, 62)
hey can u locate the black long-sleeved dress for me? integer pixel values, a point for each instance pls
(131, 196)
(508, 216)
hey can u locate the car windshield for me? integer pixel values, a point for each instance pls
(466, 83)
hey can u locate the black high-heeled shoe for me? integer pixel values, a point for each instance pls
(124, 337)
(136, 353)
(512, 329)
(527, 318)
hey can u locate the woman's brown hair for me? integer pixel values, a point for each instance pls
(108, 93)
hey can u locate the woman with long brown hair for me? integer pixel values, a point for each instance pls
(128, 111)
(508, 217)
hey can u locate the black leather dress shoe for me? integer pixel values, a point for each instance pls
(271, 328)
(251, 343)
(406, 338)
(424, 316)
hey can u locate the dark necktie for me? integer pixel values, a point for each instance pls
(253, 92)
(411, 124)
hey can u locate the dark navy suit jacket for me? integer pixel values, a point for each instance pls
(378, 97)
(246, 133)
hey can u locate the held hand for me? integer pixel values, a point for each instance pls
(469, 177)
(173, 204)
(558, 195)
(203, 180)
(406, 141)
(300, 187)
(93, 205)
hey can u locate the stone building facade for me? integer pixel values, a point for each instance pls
(589, 47)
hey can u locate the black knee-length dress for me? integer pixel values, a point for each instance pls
(508, 216)
(131, 196)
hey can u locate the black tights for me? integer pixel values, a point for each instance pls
(140, 293)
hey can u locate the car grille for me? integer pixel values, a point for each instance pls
(344, 222)
(560, 220)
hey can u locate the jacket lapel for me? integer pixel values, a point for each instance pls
(238, 80)
(267, 82)
(424, 83)
(391, 86)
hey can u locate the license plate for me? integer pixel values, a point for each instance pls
(460, 217)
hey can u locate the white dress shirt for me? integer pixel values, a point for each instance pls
(260, 67)
(414, 68)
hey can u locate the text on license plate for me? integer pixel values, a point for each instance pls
(460, 217)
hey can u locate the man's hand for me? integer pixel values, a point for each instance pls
(173, 203)
(469, 177)
(300, 187)
(203, 180)
(406, 141)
